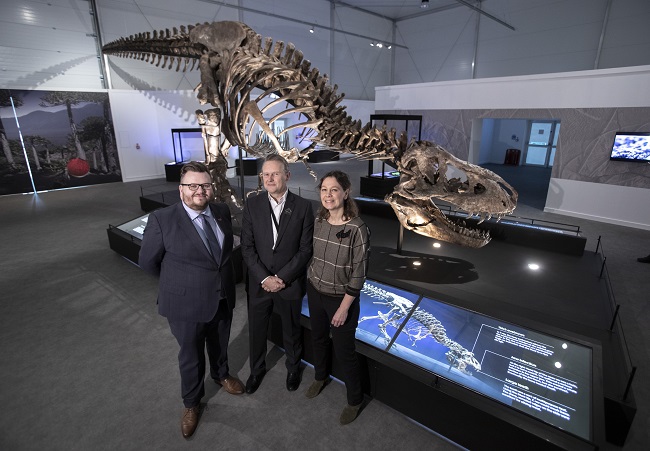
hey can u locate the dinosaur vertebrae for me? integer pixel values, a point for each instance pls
(420, 325)
(165, 46)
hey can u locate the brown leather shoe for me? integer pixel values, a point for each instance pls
(232, 385)
(189, 421)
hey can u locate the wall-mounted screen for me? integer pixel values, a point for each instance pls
(631, 146)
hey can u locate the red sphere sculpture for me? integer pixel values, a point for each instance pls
(78, 167)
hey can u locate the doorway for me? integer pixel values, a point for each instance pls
(542, 143)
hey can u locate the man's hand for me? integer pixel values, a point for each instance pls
(273, 284)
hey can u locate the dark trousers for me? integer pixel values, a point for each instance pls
(321, 311)
(194, 339)
(259, 315)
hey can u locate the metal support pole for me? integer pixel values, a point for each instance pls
(602, 268)
(400, 239)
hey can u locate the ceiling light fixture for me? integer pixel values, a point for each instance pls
(424, 4)
(311, 30)
(372, 44)
(380, 45)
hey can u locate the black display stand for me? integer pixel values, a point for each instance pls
(173, 172)
(250, 165)
(173, 169)
(323, 156)
(464, 416)
(126, 239)
(378, 184)
(538, 234)
(377, 187)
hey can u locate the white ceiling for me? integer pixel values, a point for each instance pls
(53, 44)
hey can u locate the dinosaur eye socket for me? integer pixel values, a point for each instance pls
(479, 189)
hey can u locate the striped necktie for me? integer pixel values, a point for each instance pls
(213, 242)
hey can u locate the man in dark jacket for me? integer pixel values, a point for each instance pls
(276, 245)
(189, 245)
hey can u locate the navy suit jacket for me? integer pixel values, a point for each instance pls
(293, 249)
(191, 282)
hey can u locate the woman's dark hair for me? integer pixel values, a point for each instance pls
(350, 208)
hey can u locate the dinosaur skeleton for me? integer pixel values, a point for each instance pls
(421, 324)
(236, 64)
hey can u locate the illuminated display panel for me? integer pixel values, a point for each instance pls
(631, 146)
(544, 376)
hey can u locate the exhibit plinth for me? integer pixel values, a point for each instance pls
(504, 390)
(126, 240)
(173, 171)
(323, 156)
(552, 236)
(377, 187)
(535, 315)
(252, 166)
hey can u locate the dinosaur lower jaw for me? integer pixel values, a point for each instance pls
(424, 218)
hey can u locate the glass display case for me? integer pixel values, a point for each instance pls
(541, 375)
(382, 177)
(126, 239)
(188, 146)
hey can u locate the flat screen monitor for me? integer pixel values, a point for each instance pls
(631, 146)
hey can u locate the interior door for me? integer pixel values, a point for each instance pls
(542, 143)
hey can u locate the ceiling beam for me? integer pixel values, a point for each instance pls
(488, 15)
(306, 23)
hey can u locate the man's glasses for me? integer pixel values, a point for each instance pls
(195, 186)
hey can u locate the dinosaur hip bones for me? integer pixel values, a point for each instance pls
(245, 76)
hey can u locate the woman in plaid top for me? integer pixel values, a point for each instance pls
(336, 275)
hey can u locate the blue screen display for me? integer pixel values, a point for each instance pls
(544, 376)
(631, 146)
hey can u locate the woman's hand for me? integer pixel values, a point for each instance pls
(340, 316)
(342, 312)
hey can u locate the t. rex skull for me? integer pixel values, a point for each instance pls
(429, 172)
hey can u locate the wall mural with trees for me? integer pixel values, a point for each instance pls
(56, 139)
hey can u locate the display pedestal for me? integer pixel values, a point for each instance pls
(556, 237)
(475, 420)
(126, 240)
(377, 187)
(323, 156)
(252, 166)
(173, 172)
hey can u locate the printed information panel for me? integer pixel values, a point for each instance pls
(541, 375)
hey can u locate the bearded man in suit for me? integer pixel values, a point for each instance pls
(276, 243)
(189, 245)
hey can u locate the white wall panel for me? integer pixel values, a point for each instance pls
(621, 205)
(625, 87)
(595, 104)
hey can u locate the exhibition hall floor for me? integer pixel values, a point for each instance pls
(87, 363)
